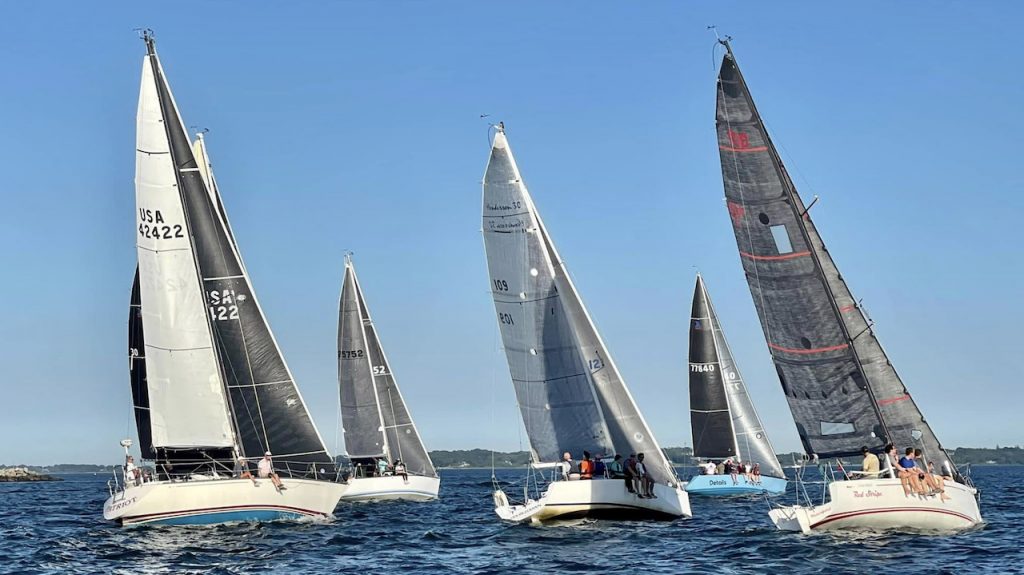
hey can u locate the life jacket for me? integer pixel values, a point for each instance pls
(586, 469)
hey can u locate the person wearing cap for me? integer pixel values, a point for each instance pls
(243, 470)
(266, 469)
(869, 467)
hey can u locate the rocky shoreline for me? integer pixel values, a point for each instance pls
(23, 474)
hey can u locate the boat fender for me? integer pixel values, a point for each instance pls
(500, 499)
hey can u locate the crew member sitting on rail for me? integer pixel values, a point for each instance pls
(586, 466)
(909, 474)
(400, 470)
(243, 470)
(869, 466)
(266, 471)
(646, 483)
(614, 470)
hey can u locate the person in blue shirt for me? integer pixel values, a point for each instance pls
(908, 474)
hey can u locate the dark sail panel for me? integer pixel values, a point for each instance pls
(360, 410)
(137, 369)
(403, 440)
(827, 391)
(710, 420)
(268, 411)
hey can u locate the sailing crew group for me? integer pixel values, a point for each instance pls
(634, 473)
(752, 472)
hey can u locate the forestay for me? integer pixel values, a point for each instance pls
(402, 439)
(841, 387)
(750, 435)
(268, 410)
(570, 393)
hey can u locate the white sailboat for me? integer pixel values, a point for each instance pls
(209, 384)
(842, 388)
(570, 393)
(723, 420)
(380, 436)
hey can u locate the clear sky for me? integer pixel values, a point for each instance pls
(356, 126)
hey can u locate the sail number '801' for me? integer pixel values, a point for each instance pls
(152, 226)
(505, 318)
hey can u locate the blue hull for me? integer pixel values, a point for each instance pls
(722, 485)
(222, 517)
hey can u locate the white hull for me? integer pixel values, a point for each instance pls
(881, 504)
(417, 488)
(221, 501)
(600, 498)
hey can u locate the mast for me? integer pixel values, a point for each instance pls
(840, 384)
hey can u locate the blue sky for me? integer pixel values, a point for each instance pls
(356, 126)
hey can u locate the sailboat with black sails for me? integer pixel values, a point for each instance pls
(212, 393)
(380, 436)
(570, 393)
(723, 420)
(842, 390)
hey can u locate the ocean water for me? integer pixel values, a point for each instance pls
(58, 528)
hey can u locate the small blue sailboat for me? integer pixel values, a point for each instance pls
(727, 433)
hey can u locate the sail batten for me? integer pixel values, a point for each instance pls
(835, 375)
(570, 393)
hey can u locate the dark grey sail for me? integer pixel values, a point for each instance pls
(751, 439)
(841, 388)
(402, 439)
(137, 371)
(360, 410)
(570, 393)
(269, 413)
(710, 418)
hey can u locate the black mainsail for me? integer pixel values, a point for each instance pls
(376, 420)
(267, 409)
(841, 387)
(710, 418)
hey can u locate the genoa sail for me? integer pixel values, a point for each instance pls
(267, 410)
(187, 403)
(841, 387)
(751, 439)
(570, 393)
(371, 373)
(137, 371)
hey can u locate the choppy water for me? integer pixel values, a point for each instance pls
(58, 528)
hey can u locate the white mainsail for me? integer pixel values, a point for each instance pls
(187, 401)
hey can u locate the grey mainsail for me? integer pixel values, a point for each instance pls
(370, 375)
(571, 395)
(841, 387)
(750, 437)
(268, 411)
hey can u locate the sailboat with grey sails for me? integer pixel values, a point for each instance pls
(723, 420)
(571, 395)
(388, 457)
(212, 393)
(842, 389)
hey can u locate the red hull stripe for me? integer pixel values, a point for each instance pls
(776, 258)
(151, 516)
(889, 400)
(744, 150)
(849, 514)
(807, 351)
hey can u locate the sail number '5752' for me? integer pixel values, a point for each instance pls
(152, 226)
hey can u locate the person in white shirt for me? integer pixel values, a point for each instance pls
(266, 469)
(131, 472)
(709, 468)
(646, 483)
